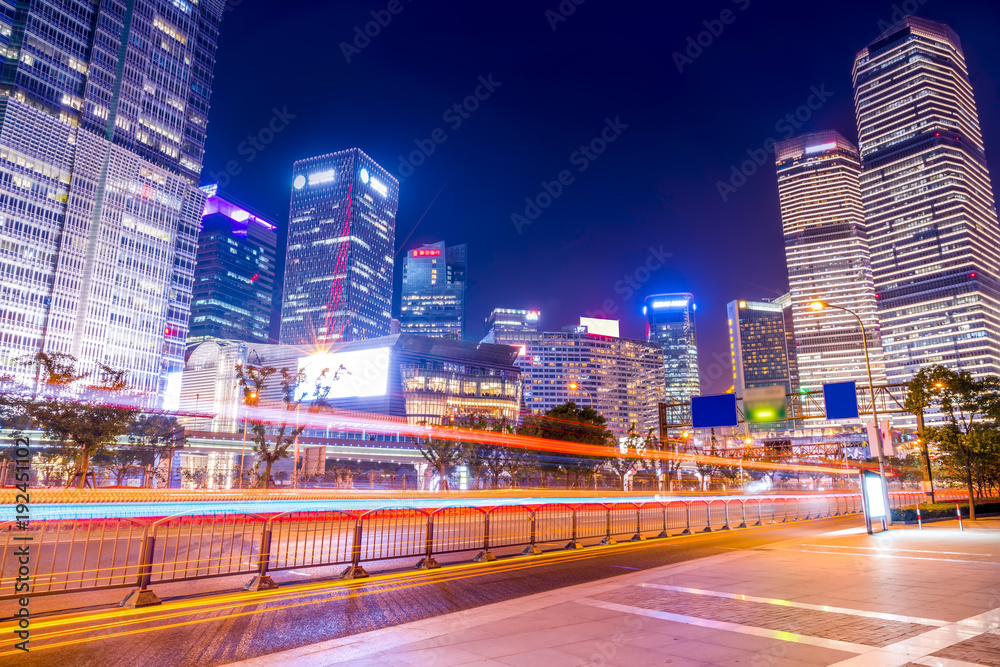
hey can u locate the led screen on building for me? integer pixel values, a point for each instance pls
(357, 373)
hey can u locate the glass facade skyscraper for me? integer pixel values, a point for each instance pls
(339, 258)
(433, 298)
(234, 274)
(758, 345)
(826, 250)
(935, 240)
(103, 110)
(670, 322)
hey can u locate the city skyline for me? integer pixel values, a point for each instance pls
(665, 185)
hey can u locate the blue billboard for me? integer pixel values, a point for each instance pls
(714, 411)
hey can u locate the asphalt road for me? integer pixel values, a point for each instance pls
(195, 627)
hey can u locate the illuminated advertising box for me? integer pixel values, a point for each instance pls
(764, 404)
(354, 374)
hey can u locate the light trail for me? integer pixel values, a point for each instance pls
(343, 420)
(129, 510)
(224, 604)
(442, 576)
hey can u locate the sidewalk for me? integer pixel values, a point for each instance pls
(905, 597)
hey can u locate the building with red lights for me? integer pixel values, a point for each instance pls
(433, 297)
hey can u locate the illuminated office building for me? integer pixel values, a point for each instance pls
(826, 251)
(234, 274)
(418, 379)
(621, 379)
(339, 258)
(758, 345)
(935, 240)
(785, 301)
(509, 320)
(670, 322)
(103, 113)
(433, 297)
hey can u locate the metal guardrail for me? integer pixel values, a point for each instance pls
(98, 554)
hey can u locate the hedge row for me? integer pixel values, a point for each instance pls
(945, 510)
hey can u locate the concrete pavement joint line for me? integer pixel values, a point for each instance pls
(731, 627)
(945, 662)
(925, 645)
(916, 551)
(378, 641)
(801, 605)
(855, 555)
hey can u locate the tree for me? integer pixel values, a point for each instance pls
(154, 438)
(625, 460)
(441, 454)
(254, 381)
(971, 407)
(572, 423)
(87, 418)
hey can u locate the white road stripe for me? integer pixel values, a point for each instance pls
(802, 605)
(731, 627)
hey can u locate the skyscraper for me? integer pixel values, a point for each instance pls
(509, 320)
(339, 259)
(433, 298)
(826, 250)
(234, 274)
(670, 322)
(103, 109)
(758, 345)
(935, 240)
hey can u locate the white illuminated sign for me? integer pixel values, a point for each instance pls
(531, 316)
(299, 182)
(819, 148)
(320, 177)
(378, 186)
(679, 303)
(354, 374)
(876, 501)
(600, 327)
(364, 175)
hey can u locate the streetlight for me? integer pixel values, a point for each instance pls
(575, 386)
(243, 450)
(818, 306)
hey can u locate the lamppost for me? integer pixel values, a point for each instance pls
(575, 386)
(818, 306)
(246, 414)
(295, 465)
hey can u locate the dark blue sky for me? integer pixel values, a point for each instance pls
(655, 186)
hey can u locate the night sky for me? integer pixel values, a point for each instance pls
(654, 188)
